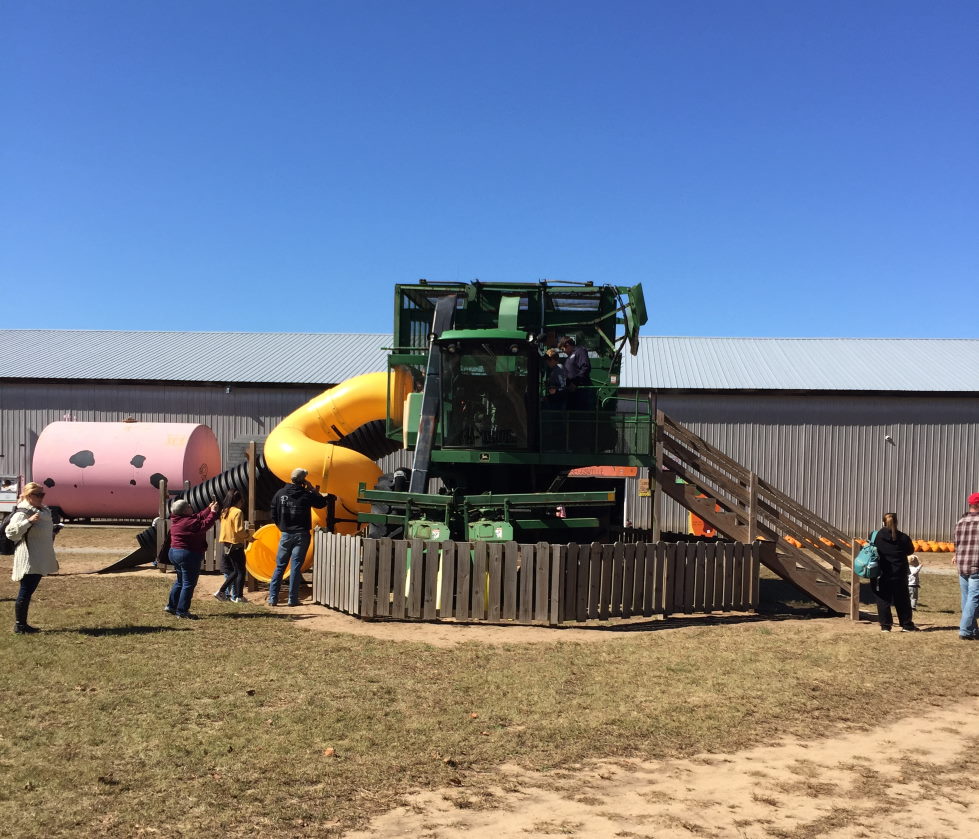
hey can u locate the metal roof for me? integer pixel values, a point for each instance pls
(663, 363)
(226, 357)
(834, 364)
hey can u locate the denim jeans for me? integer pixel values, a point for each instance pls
(970, 604)
(28, 585)
(292, 552)
(234, 580)
(187, 564)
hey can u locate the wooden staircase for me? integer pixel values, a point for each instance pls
(809, 552)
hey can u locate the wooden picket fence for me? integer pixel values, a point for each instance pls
(541, 584)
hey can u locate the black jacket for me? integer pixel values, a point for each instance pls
(893, 554)
(291, 506)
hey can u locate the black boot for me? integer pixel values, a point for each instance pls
(21, 626)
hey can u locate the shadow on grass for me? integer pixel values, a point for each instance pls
(263, 615)
(103, 631)
(181, 626)
(678, 621)
(779, 601)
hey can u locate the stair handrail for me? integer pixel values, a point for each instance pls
(729, 482)
(783, 500)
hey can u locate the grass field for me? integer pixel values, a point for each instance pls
(119, 721)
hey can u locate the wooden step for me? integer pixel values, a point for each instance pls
(819, 586)
(713, 479)
(724, 522)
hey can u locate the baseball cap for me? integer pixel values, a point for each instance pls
(297, 474)
(974, 499)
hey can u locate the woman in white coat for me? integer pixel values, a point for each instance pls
(32, 527)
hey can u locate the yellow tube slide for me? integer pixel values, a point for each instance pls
(305, 439)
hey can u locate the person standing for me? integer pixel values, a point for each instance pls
(556, 381)
(233, 537)
(891, 587)
(966, 558)
(188, 542)
(291, 513)
(577, 369)
(32, 527)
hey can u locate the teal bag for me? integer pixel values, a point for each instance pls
(867, 562)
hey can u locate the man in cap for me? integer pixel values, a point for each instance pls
(577, 369)
(966, 557)
(291, 508)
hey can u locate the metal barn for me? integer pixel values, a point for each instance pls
(848, 427)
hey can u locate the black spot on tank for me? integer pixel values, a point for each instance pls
(49, 482)
(155, 479)
(138, 461)
(132, 482)
(82, 459)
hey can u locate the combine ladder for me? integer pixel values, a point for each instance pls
(809, 552)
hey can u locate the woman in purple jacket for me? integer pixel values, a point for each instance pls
(188, 541)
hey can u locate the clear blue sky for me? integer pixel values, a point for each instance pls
(763, 167)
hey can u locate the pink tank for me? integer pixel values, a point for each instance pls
(113, 469)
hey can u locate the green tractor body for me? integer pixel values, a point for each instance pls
(501, 448)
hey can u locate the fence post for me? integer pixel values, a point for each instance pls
(250, 454)
(212, 557)
(654, 484)
(854, 583)
(161, 524)
(752, 506)
(559, 555)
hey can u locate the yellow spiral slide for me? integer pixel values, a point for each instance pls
(306, 439)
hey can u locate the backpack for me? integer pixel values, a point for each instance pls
(7, 545)
(867, 562)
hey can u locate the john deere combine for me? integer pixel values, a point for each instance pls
(495, 454)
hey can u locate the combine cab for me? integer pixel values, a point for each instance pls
(493, 450)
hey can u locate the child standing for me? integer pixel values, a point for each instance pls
(233, 537)
(914, 584)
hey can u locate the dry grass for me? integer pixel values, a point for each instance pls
(117, 721)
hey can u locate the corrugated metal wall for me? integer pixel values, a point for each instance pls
(25, 410)
(831, 454)
(827, 452)
(246, 413)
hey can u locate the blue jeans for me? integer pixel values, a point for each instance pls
(234, 580)
(292, 552)
(970, 604)
(187, 564)
(28, 585)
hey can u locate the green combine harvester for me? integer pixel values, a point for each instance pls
(511, 461)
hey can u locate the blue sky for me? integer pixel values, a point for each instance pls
(762, 168)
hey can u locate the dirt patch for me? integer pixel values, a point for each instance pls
(911, 778)
(104, 538)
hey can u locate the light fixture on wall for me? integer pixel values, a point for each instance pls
(227, 389)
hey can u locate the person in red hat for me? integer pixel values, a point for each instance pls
(966, 558)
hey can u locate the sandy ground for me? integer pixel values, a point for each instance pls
(87, 549)
(914, 779)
